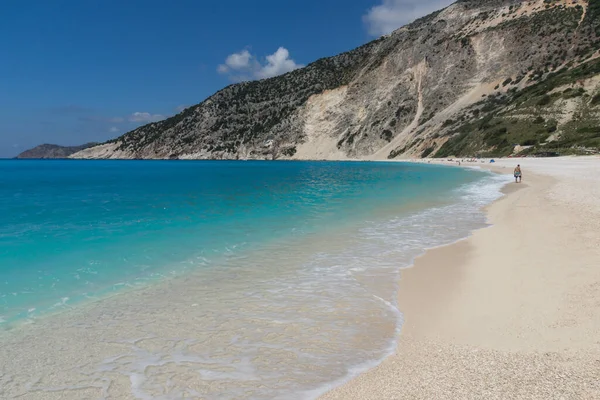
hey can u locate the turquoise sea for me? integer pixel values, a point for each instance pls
(201, 251)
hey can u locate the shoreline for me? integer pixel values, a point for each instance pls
(440, 317)
(142, 336)
(355, 372)
(53, 308)
(504, 313)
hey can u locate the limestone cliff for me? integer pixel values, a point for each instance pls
(478, 77)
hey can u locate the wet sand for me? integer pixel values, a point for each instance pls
(513, 312)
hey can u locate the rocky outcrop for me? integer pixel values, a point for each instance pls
(53, 151)
(434, 87)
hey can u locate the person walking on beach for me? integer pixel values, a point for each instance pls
(518, 173)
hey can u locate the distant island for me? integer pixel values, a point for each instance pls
(53, 151)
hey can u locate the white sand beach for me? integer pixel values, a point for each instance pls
(513, 312)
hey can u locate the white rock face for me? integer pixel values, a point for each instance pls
(321, 115)
(107, 150)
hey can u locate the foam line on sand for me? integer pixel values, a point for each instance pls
(512, 312)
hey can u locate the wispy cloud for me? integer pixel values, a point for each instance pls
(145, 117)
(135, 117)
(181, 107)
(392, 14)
(244, 65)
(69, 109)
(93, 118)
(104, 122)
(100, 118)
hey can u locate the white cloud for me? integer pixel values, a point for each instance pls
(392, 14)
(113, 129)
(181, 107)
(145, 117)
(246, 66)
(239, 60)
(278, 63)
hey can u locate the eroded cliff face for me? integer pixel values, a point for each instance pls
(417, 92)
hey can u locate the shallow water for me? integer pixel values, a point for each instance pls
(212, 280)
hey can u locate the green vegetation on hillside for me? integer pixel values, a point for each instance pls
(529, 118)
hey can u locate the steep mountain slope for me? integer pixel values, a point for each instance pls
(478, 77)
(53, 151)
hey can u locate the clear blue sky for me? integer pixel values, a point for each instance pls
(89, 70)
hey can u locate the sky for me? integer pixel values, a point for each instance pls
(79, 71)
